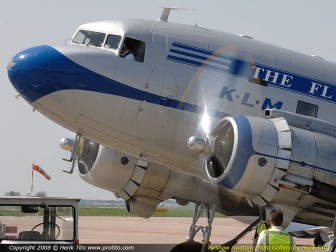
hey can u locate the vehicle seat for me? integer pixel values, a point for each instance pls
(29, 235)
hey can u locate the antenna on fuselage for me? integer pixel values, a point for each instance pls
(165, 14)
(166, 11)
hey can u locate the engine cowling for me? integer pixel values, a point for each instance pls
(234, 161)
(106, 168)
(141, 184)
(127, 177)
(269, 161)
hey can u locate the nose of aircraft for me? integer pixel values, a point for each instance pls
(39, 71)
(28, 71)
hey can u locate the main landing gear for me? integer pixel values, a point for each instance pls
(332, 241)
(206, 230)
(191, 245)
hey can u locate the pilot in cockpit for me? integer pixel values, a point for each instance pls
(126, 53)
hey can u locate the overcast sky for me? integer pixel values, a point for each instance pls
(307, 26)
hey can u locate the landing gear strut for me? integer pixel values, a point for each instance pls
(190, 244)
(206, 230)
(332, 243)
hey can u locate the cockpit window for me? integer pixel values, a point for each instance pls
(133, 49)
(89, 38)
(130, 48)
(112, 41)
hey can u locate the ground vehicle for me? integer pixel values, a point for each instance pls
(45, 220)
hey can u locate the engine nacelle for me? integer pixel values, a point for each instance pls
(234, 161)
(127, 177)
(107, 168)
(259, 158)
(141, 184)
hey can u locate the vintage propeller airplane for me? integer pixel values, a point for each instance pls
(164, 110)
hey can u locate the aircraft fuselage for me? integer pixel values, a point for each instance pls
(129, 105)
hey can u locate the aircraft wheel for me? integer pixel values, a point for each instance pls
(189, 246)
(318, 241)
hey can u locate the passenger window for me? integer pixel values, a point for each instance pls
(133, 49)
(112, 41)
(89, 38)
(306, 108)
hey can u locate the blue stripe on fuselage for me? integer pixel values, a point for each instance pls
(44, 70)
(196, 63)
(244, 69)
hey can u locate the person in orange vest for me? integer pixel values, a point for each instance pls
(275, 239)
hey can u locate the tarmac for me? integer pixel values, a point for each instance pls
(163, 230)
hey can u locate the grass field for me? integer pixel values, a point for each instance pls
(121, 211)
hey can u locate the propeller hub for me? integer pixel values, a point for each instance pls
(199, 144)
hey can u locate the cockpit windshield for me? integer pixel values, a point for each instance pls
(125, 47)
(89, 38)
(112, 41)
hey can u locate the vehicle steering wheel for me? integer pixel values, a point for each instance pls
(49, 223)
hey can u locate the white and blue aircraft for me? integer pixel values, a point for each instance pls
(235, 125)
